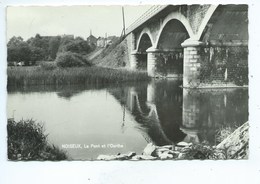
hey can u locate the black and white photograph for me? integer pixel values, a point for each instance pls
(125, 92)
(136, 83)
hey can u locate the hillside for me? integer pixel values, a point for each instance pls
(114, 56)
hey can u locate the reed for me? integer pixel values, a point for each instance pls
(28, 141)
(21, 76)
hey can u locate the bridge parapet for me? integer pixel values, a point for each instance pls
(146, 16)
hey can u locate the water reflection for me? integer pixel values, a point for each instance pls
(205, 111)
(131, 115)
(168, 114)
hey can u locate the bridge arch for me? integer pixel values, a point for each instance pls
(174, 30)
(224, 23)
(145, 41)
(205, 21)
(174, 16)
(145, 32)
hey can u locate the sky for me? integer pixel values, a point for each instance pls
(27, 21)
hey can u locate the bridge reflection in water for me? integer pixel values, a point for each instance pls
(167, 114)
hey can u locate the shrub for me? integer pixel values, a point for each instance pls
(48, 65)
(202, 151)
(27, 141)
(70, 59)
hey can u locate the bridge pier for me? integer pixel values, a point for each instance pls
(190, 116)
(151, 92)
(133, 60)
(192, 63)
(151, 61)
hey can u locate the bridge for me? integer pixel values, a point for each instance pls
(203, 44)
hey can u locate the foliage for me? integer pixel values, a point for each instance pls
(44, 48)
(37, 54)
(42, 44)
(54, 44)
(27, 141)
(77, 46)
(19, 51)
(48, 65)
(202, 152)
(15, 41)
(21, 76)
(70, 59)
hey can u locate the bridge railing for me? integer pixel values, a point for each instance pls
(146, 16)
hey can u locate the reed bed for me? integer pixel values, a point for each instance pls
(22, 76)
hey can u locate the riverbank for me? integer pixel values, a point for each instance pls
(28, 141)
(235, 146)
(22, 76)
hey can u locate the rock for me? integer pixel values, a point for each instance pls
(143, 157)
(184, 144)
(164, 156)
(170, 147)
(131, 154)
(177, 148)
(149, 149)
(181, 156)
(122, 157)
(106, 157)
(162, 149)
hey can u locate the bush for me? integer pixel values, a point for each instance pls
(27, 141)
(70, 59)
(48, 65)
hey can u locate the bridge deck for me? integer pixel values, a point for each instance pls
(155, 9)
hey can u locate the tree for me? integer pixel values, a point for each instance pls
(77, 46)
(24, 53)
(15, 41)
(40, 42)
(54, 45)
(37, 54)
(70, 59)
(18, 50)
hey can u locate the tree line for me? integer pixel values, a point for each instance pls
(44, 48)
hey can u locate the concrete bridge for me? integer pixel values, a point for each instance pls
(203, 44)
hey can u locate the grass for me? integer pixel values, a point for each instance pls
(203, 151)
(27, 141)
(22, 76)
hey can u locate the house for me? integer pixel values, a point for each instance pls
(101, 42)
(92, 40)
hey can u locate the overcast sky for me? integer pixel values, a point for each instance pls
(77, 20)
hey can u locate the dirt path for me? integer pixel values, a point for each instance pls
(94, 54)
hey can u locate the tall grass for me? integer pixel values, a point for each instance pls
(21, 76)
(27, 141)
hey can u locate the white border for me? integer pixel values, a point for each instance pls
(211, 172)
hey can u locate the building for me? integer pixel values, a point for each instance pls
(101, 42)
(92, 40)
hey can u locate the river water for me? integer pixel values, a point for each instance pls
(89, 121)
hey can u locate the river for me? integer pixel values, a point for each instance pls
(89, 121)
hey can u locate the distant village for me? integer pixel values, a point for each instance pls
(100, 41)
(46, 48)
